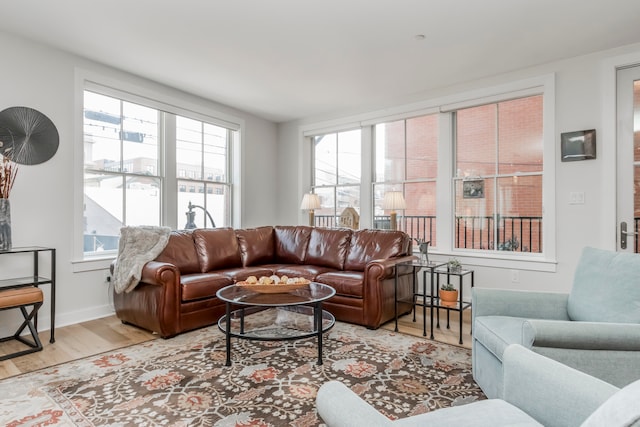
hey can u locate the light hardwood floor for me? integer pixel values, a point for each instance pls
(106, 334)
(72, 342)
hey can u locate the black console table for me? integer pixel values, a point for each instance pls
(35, 279)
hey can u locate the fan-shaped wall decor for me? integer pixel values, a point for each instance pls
(28, 137)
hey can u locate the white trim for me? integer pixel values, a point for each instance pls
(608, 151)
(492, 99)
(92, 264)
(403, 115)
(494, 260)
(159, 101)
(331, 129)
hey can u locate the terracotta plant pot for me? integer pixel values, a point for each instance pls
(448, 298)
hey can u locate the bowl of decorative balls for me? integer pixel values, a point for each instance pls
(273, 284)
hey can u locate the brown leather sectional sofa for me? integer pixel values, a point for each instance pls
(178, 289)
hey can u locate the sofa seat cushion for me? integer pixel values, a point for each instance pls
(240, 274)
(495, 333)
(606, 287)
(309, 272)
(346, 283)
(217, 248)
(202, 285)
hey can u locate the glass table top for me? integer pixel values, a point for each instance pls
(242, 295)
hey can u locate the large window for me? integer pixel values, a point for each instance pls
(498, 176)
(472, 174)
(337, 174)
(406, 159)
(127, 149)
(203, 167)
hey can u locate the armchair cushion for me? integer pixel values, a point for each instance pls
(620, 410)
(606, 287)
(340, 407)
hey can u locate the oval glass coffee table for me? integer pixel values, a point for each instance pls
(290, 315)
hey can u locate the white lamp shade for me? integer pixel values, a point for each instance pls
(393, 200)
(310, 201)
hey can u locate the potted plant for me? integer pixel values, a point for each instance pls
(454, 266)
(448, 295)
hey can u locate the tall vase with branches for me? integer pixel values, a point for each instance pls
(8, 171)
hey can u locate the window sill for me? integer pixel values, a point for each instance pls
(515, 262)
(92, 264)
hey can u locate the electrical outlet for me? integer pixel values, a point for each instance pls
(515, 276)
(107, 277)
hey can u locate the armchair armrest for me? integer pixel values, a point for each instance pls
(583, 335)
(340, 407)
(550, 392)
(528, 304)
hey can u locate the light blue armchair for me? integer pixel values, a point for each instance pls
(595, 328)
(538, 392)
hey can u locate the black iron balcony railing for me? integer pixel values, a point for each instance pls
(514, 233)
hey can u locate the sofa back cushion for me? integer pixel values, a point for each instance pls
(291, 243)
(181, 252)
(367, 245)
(606, 287)
(217, 248)
(256, 245)
(328, 247)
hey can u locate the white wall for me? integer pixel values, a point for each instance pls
(42, 199)
(275, 172)
(582, 86)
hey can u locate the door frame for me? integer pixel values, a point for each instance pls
(609, 233)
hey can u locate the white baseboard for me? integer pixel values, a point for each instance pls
(11, 320)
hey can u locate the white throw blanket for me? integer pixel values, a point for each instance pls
(138, 245)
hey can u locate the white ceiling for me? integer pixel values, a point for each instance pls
(288, 59)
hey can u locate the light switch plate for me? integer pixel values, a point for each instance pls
(576, 198)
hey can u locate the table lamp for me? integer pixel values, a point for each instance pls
(310, 202)
(393, 200)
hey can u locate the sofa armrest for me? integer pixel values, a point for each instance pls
(338, 406)
(528, 304)
(386, 266)
(159, 273)
(550, 392)
(583, 335)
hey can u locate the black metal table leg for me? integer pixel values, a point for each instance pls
(317, 313)
(461, 309)
(228, 332)
(395, 297)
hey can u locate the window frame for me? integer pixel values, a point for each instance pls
(402, 183)
(541, 85)
(150, 96)
(336, 185)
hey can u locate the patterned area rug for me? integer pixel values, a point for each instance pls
(183, 381)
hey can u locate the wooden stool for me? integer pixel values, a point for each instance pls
(21, 298)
